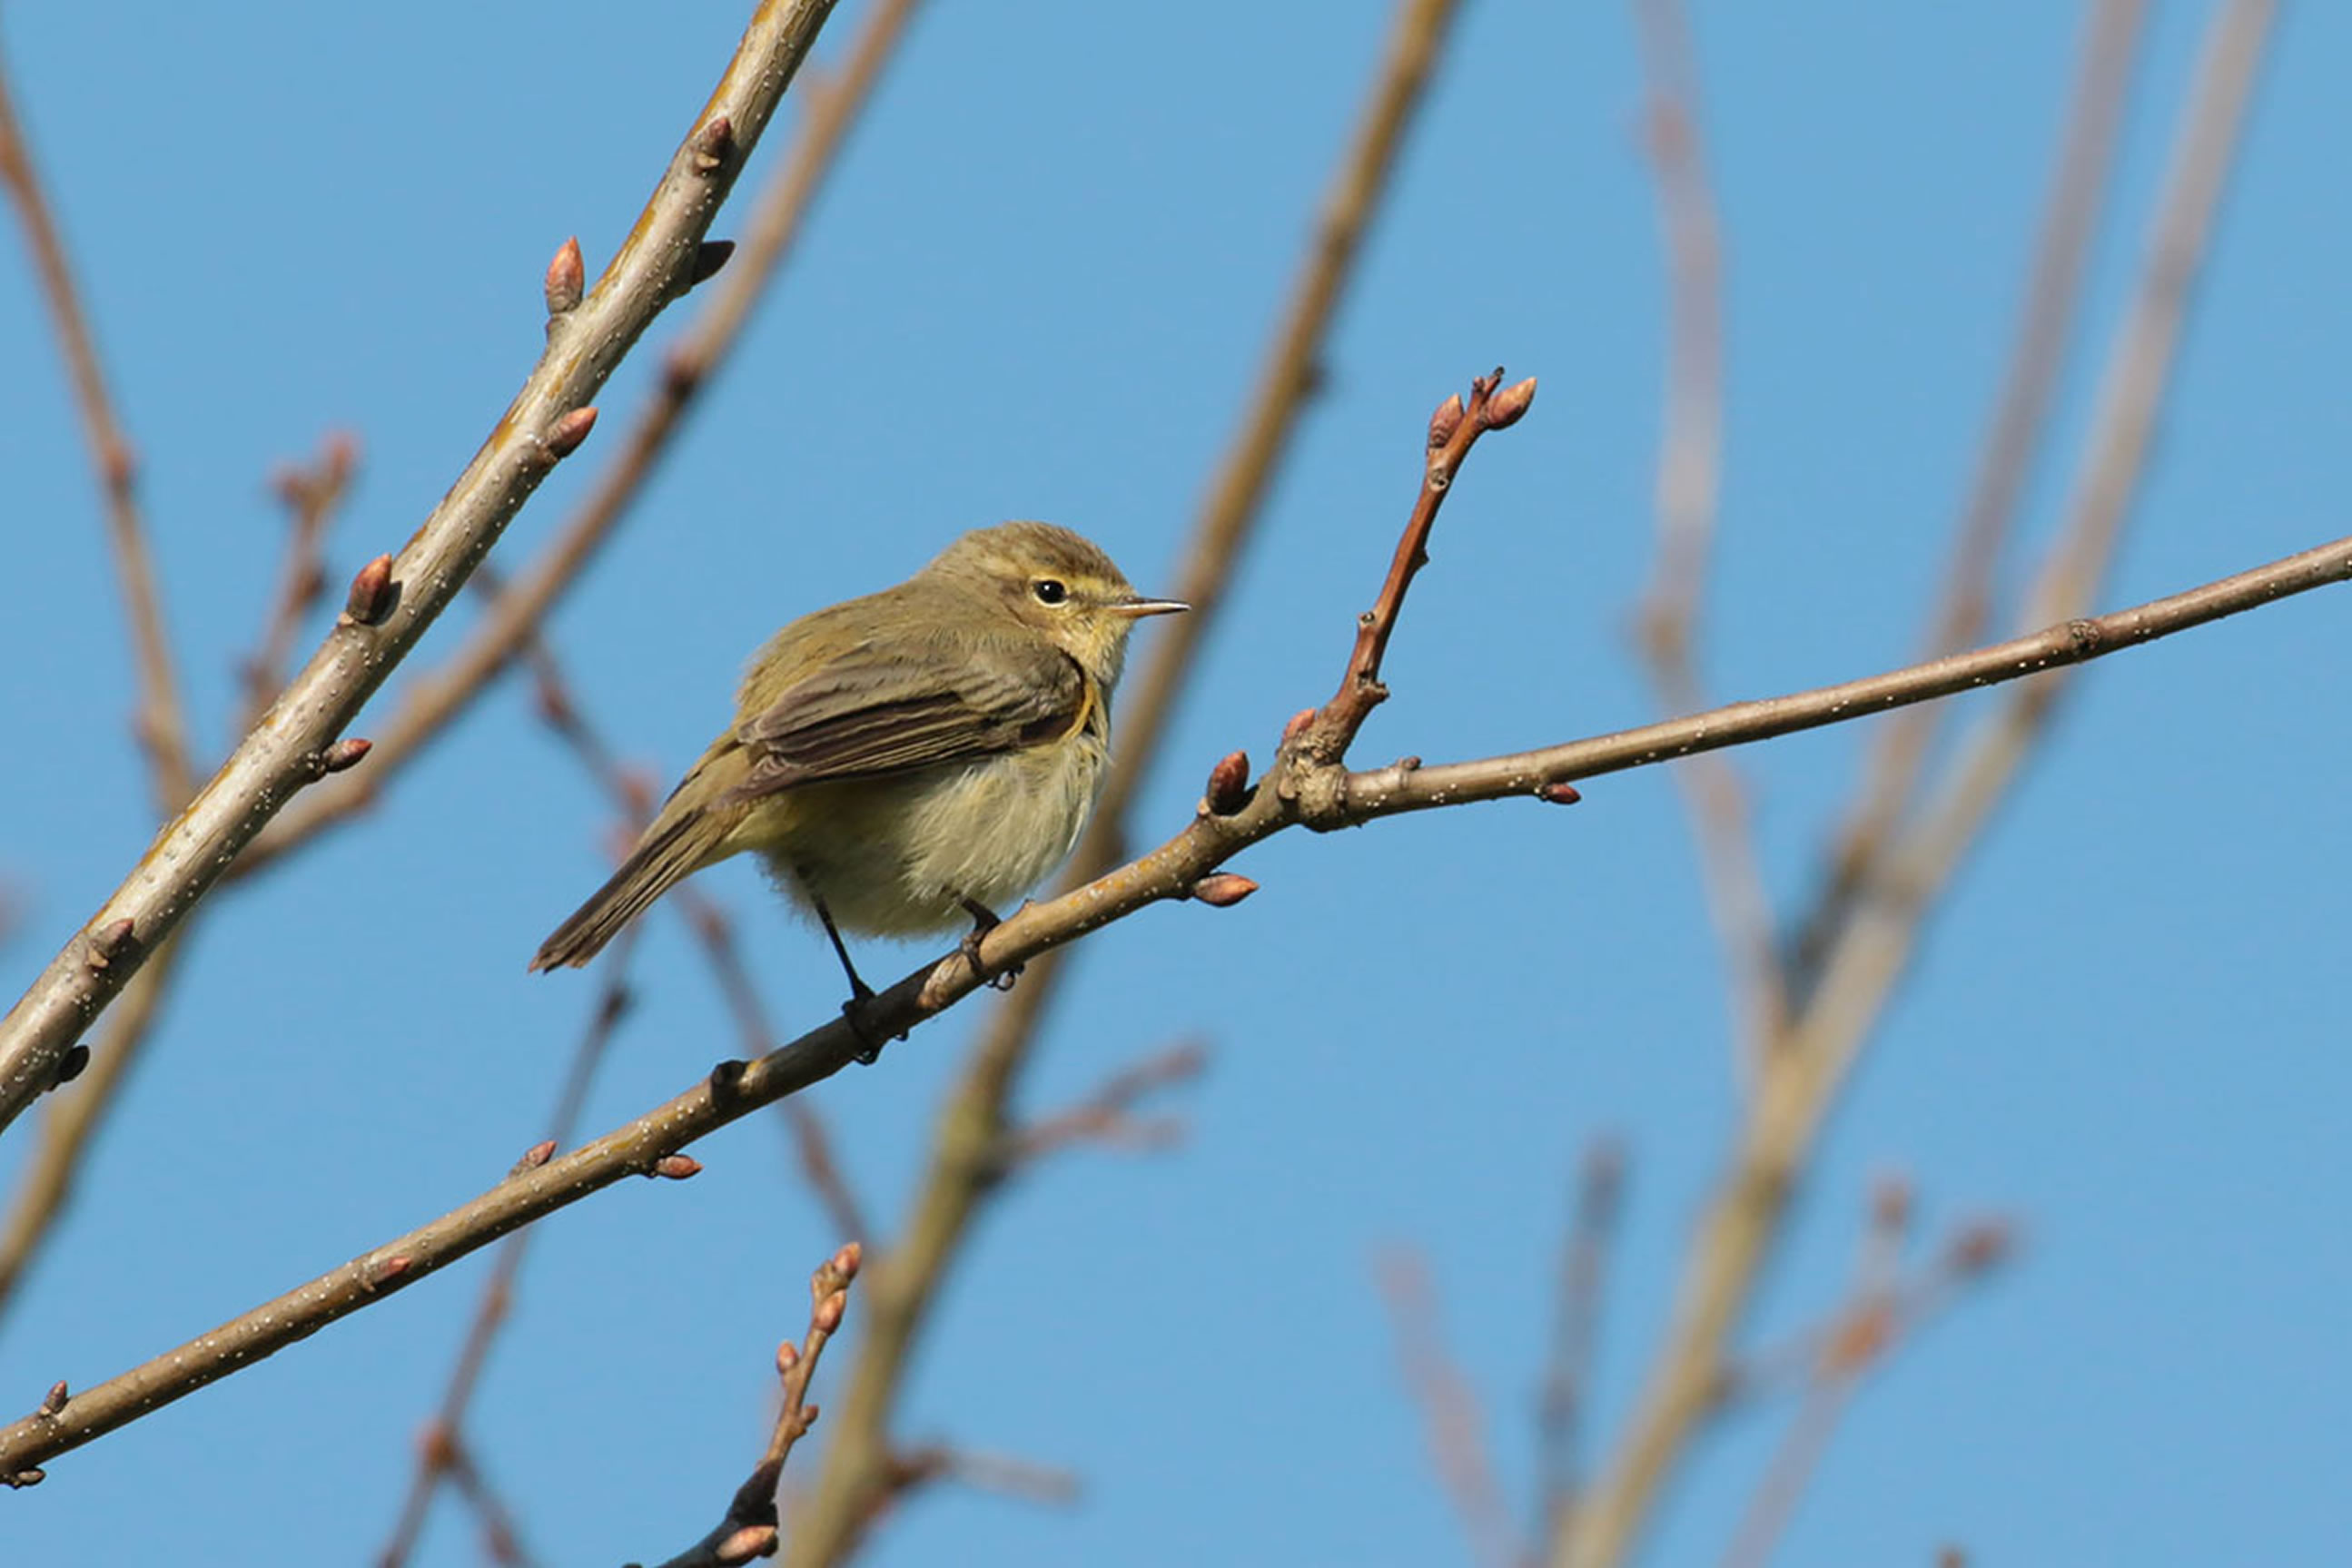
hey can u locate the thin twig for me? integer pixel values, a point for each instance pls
(1689, 481)
(392, 601)
(69, 1123)
(432, 699)
(444, 1436)
(160, 723)
(1585, 1258)
(1108, 1116)
(311, 496)
(857, 1472)
(1882, 1310)
(1899, 749)
(749, 1527)
(1449, 1409)
(1745, 1215)
(1169, 873)
(501, 1540)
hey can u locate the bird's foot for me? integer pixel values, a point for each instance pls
(983, 921)
(857, 1013)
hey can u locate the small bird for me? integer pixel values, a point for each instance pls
(909, 758)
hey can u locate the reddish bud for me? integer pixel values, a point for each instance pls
(788, 1355)
(564, 436)
(846, 1261)
(713, 143)
(388, 1272)
(1297, 725)
(826, 1319)
(30, 1476)
(1223, 889)
(1228, 789)
(533, 1157)
(1446, 422)
(677, 1168)
(54, 1401)
(372, 593)
(344, 753)
(1506, 407)
(567, 278)
(1558, 794)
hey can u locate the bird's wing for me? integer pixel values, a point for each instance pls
(886, 708)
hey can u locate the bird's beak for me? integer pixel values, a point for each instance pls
(1140, 608)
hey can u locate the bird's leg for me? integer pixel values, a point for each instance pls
(983, 921)
(860, 993)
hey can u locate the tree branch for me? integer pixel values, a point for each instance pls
(395, 601)
(1327, 796)
(161, 724)
(434, 699)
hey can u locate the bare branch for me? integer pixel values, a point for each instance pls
(1585, 1258)
(311, 496)
(432, 699)
(1449, 1408)
(749, 1527)
(1812, 1062)
(444, 1436)
(160, 723)
(1690, 461)
(280, 758)
(2077, 197)
(1328, 798)
(1108, 1116)
(857, 1472)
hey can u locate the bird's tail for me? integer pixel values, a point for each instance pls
(669, 851)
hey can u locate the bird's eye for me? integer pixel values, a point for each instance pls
(1050, 591)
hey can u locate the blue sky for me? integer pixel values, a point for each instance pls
(1039, 288)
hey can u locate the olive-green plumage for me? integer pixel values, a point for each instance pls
(900, 758)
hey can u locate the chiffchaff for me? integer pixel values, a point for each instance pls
(906, 758)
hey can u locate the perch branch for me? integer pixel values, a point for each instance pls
(395, 601)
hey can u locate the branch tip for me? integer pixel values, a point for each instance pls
(372, 594)
(1559, 794)
(567, 278)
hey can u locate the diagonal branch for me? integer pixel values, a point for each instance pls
(859, 1471)
(1814, 1059)
(1690, 464)
(160, 723)
(395, 601)
(1331, 798)
(1899, 750)
(434, 699)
